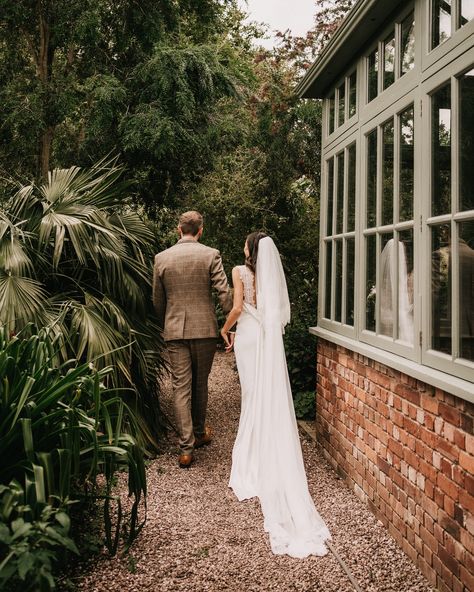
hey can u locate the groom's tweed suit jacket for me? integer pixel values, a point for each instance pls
(183, 278)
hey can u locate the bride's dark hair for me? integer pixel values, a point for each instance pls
(252, 243)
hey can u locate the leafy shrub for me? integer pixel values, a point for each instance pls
(305, 405)
(59, 428)
(32, 540)
(74, 257)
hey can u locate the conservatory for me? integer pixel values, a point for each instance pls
(395, 402)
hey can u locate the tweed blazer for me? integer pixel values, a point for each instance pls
(183, 278)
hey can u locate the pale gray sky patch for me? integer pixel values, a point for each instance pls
(296, 15)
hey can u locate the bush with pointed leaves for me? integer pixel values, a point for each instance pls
(75, 258)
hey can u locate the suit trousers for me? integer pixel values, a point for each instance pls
(190, 365)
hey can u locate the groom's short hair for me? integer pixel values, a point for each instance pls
(190, 222)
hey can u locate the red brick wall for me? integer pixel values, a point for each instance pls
(407, 451)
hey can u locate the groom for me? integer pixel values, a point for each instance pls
(183, 278)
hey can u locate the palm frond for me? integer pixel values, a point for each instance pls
(21, 301)
(77, 261)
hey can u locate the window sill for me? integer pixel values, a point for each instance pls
(446, 382)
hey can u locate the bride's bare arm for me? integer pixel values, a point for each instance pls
(234, 314)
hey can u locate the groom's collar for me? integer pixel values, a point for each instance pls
(187, 240)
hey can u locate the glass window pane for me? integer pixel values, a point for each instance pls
(350, 260)
(330, 196)
(340, 193)
(466, 289)
(407, 53)
(352, 94)
(371, 297)
(342, 103)
(387, 284)
(389, 60)
(351, 188)
(441, 152)
(441, 288)
(371, 177)
(331, 113)
(440, 21)
(387, 173)
(405, 286)
(373, 71)
(328, 290)
(466, 141)
(407, 164)
(467, 11)
(338, 286)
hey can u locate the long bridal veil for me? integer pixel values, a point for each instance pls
(273, 459)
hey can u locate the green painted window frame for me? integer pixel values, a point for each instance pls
(332, 129)
(395, 31)
(414, 88)
(456, 25)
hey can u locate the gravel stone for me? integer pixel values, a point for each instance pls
(199, 538)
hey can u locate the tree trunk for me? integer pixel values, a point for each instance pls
(45, 151)
(44, 70)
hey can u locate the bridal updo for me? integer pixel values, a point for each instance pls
(252, 243)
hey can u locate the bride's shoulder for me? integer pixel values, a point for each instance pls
(238, 271)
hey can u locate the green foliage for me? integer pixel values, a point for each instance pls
(74, 257)
(80, 79)
(169, 132)
(59, 428)
(305, 405)
(32, 541)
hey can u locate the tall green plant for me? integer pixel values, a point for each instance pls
(76, 258)
(59, 428)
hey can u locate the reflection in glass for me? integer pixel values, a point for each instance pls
(467, 11)
(330, 196)
(441, 151)
(327, 293)
(466, 289)
(387, 173)
(373, 70)
(407, 53)
(351, 187)
(405, 285)
(371, 177)
(389, 61)
(342, 103)
(407, 164)
(350, 260)
(371, 297)
(387, 284)
(441, 288)
(340, 193)
(331, 113)
(352, 94)
(440, 21)
(466, 141)
(338, 286)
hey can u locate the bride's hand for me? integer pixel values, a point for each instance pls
(228, 337)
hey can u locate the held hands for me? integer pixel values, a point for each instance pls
(228, 337)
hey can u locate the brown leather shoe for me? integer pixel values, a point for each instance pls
(185, 460)
(205, 439)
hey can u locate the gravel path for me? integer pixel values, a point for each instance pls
(198, 537)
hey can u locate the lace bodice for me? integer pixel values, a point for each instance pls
(248, 280)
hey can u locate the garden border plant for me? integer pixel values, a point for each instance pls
(60, 428)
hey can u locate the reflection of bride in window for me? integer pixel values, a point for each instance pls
(388, 281)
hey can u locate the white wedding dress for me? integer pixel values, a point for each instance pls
(266, 460)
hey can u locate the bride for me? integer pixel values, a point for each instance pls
(267, 461)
